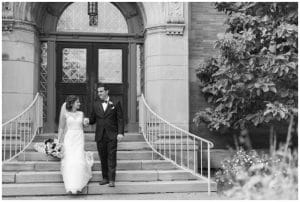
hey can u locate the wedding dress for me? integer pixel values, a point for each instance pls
(76, 164)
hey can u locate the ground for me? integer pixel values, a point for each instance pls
(165, 196)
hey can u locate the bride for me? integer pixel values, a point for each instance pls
(76, 164)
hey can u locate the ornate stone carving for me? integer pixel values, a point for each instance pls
(7, 25)
(7, 16)
(7, 10)
(175, 18)
(174, 13)
(44, 77)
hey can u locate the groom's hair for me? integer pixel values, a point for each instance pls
(70, 101)
(100, 85)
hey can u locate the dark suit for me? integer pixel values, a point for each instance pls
(109, 124)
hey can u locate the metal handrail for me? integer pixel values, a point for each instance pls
(157, 132)
(19, 132)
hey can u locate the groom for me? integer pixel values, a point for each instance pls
(108, 116)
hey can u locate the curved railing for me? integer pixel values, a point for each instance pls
(185, 150)
(18, 132)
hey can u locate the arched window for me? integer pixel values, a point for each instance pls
(75, 18)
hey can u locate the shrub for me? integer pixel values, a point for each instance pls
(249, 175)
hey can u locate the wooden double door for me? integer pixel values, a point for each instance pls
(81, 66)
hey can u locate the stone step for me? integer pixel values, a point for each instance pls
(40, 189)
(123, 175)
(122, 146)
(90, 137)
(121, 155)
(55, 165)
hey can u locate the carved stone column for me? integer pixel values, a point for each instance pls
(166, 63)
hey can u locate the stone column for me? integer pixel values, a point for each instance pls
(20, 52)
(166, 62)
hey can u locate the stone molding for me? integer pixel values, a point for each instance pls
(8, 25)
(168, 29)
(175, 29)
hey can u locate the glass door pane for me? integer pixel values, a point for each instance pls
(110, 65)
(74, 65)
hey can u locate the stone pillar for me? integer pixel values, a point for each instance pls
(20, 52)
(166, 62)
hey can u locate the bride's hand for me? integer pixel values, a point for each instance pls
(86, 122)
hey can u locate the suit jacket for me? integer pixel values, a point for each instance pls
(111, 120)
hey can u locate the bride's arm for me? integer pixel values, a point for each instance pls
(61, 128)
(82, 122)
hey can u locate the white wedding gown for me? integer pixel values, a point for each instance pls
(76, 164)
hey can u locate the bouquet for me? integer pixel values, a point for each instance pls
(51, 147)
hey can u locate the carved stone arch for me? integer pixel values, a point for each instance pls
(47, 15)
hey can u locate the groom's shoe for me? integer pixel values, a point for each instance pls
(111, 184)
(103, 182)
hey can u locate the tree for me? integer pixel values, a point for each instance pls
(254, 78)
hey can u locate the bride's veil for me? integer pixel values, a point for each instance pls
(61, 124)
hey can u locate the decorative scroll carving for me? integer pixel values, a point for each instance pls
(174, 13)
(44, 77)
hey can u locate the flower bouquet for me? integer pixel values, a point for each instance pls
(51, 147)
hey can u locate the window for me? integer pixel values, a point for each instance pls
(75, 18)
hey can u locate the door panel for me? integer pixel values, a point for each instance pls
(111, 69)
(81, 66)
(72, 75)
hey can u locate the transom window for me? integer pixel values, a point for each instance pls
(75, 18)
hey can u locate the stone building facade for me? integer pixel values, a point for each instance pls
(163, 45)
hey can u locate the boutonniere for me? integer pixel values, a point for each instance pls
(111, 104)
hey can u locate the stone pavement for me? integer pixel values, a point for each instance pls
(166, 196)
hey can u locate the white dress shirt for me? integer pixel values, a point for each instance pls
(104, 104)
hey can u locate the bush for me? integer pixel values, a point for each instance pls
(249, 175)
(253, 80)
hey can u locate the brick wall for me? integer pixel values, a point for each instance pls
(205, 23)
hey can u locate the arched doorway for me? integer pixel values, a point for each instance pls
(79, 57)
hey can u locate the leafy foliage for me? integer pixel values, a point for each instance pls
(252, 176)
(254, 79)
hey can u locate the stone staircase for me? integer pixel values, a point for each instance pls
(35, 174)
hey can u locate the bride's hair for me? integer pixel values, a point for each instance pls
(70, 101)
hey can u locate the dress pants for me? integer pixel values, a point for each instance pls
(107, 149)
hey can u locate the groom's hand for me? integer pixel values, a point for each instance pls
(119, 137)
